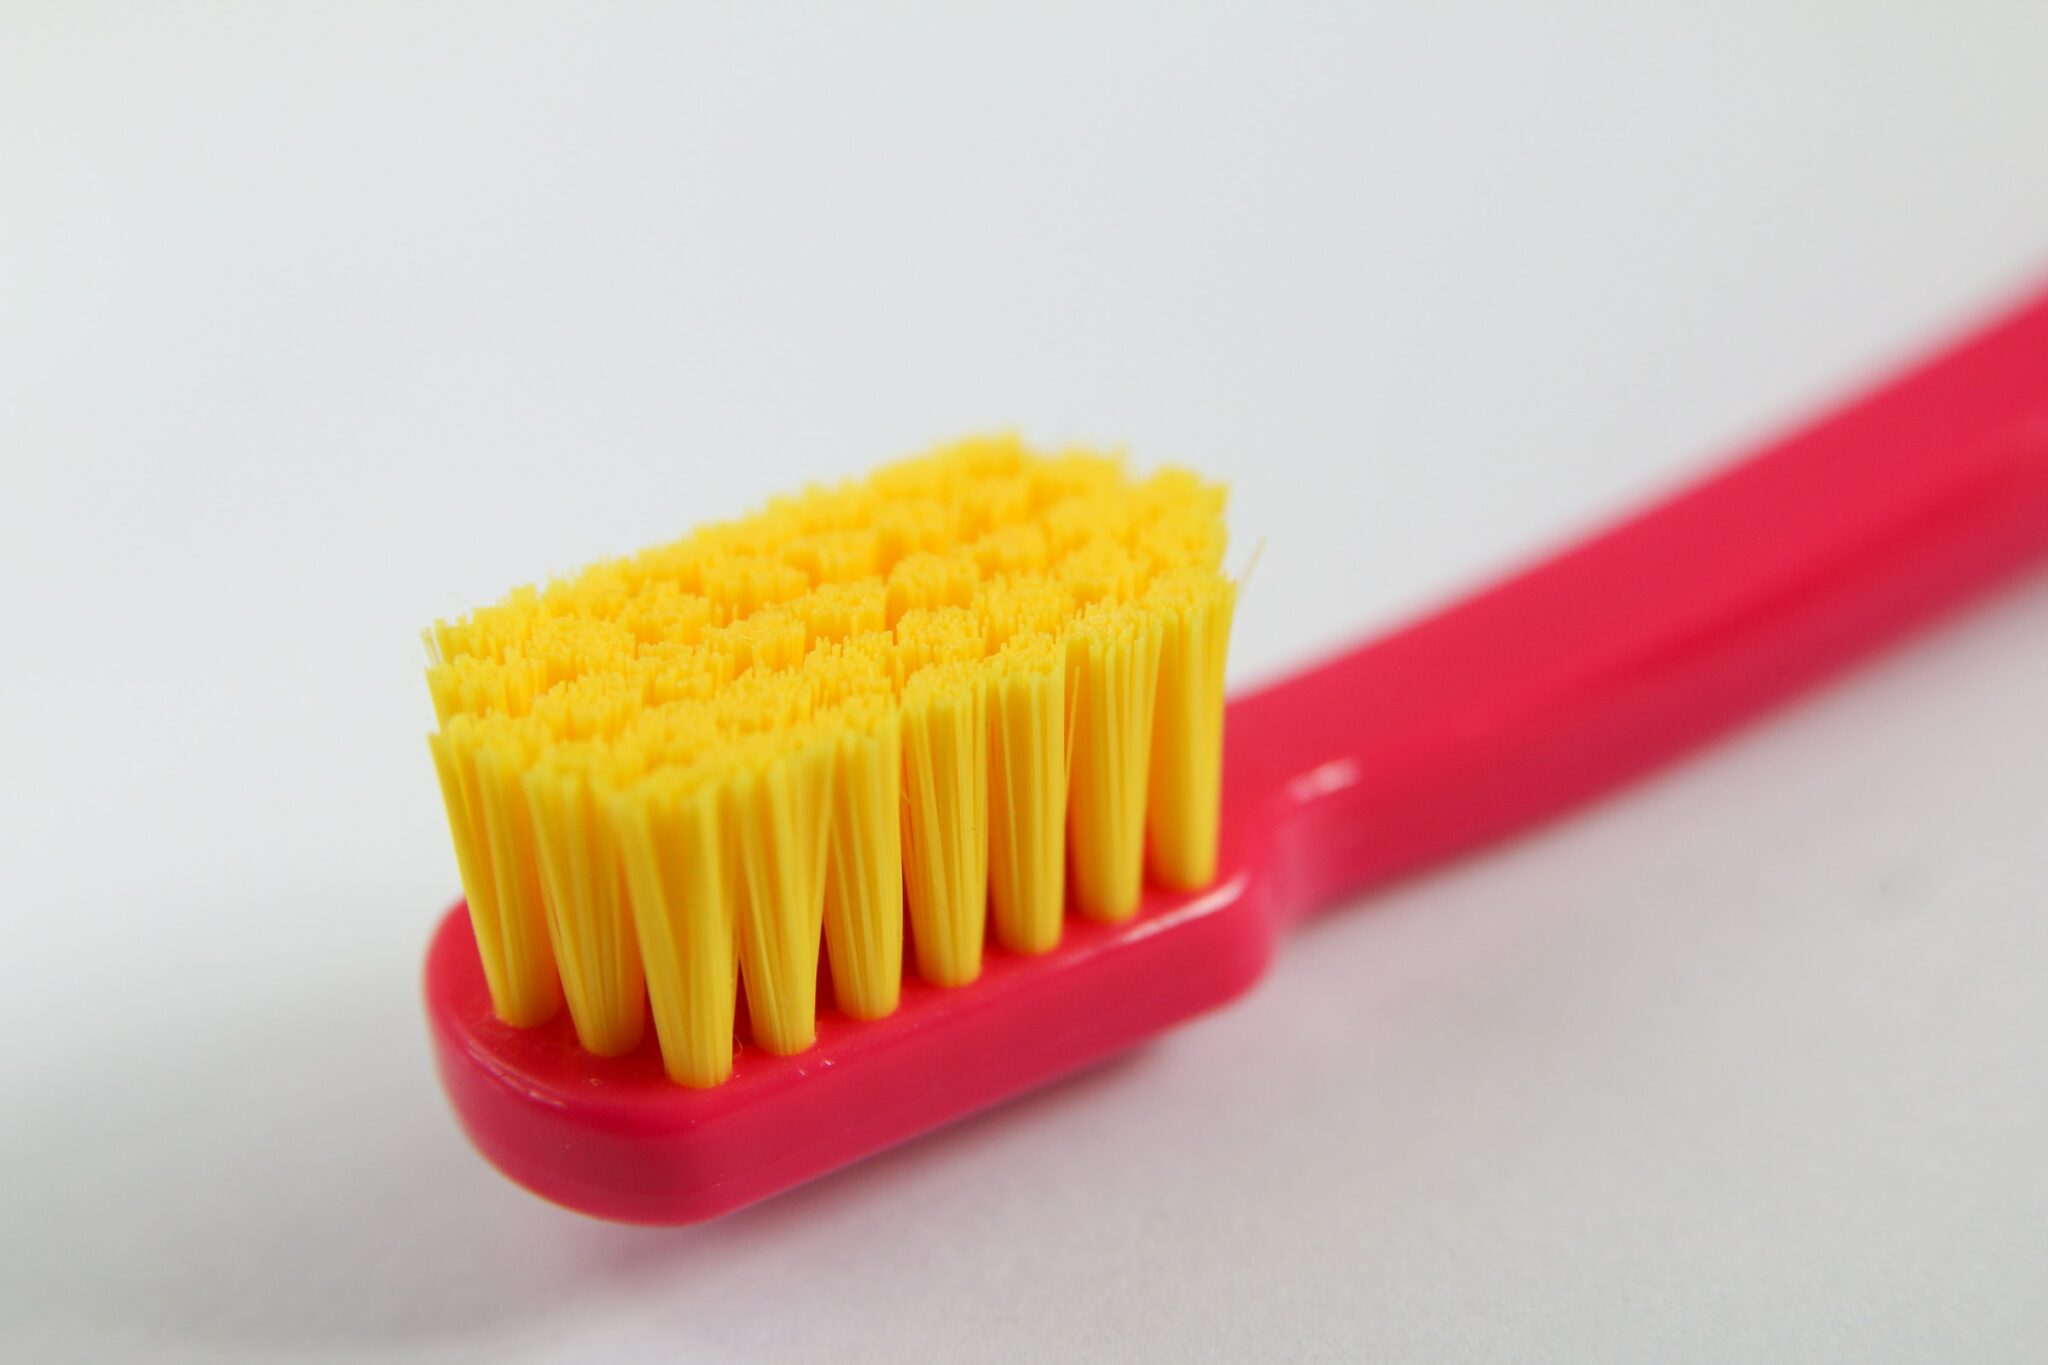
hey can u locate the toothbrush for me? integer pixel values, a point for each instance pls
(1539, 693)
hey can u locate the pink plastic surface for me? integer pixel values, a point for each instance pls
(1529, 698)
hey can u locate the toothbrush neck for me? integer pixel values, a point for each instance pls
(1652, 637)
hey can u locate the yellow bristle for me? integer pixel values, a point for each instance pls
(595, 594)
(665, 674)
(1107, 518)
(508, 829)
(1020, 548)
(1008, 607)
(742, 585)
(779, 795)
(511, 931)
(1102, 571)
(596, 946)
(673, 836)
(763, 703)
(840, 611)
(1184, 794)
(771, 638)
(945, 827)
(1115, 653)
(943, 694)
(663, 613)
(929, 636)
(487, 755)
(1027, 792)
(905, 526)
(840, 555)
(926, 580)
(595, 707)
(1072, 476)
(488, 632)
(475, 686)
(864, 868)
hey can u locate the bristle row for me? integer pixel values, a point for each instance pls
(938, 697)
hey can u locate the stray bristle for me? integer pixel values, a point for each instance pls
(940, 695)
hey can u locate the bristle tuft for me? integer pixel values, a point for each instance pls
(943, 695)
(945, 827)
(1115, 653)
(1184, 793)
(1028, 792)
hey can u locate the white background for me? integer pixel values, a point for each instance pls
(317, 324)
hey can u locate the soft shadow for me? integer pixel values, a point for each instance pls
(302, 1181)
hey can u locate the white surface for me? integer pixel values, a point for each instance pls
(315, 325)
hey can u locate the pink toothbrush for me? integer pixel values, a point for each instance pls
(1539, 693)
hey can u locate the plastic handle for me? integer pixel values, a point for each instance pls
(1648, 639)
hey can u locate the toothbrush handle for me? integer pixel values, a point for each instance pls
(1652, 637)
